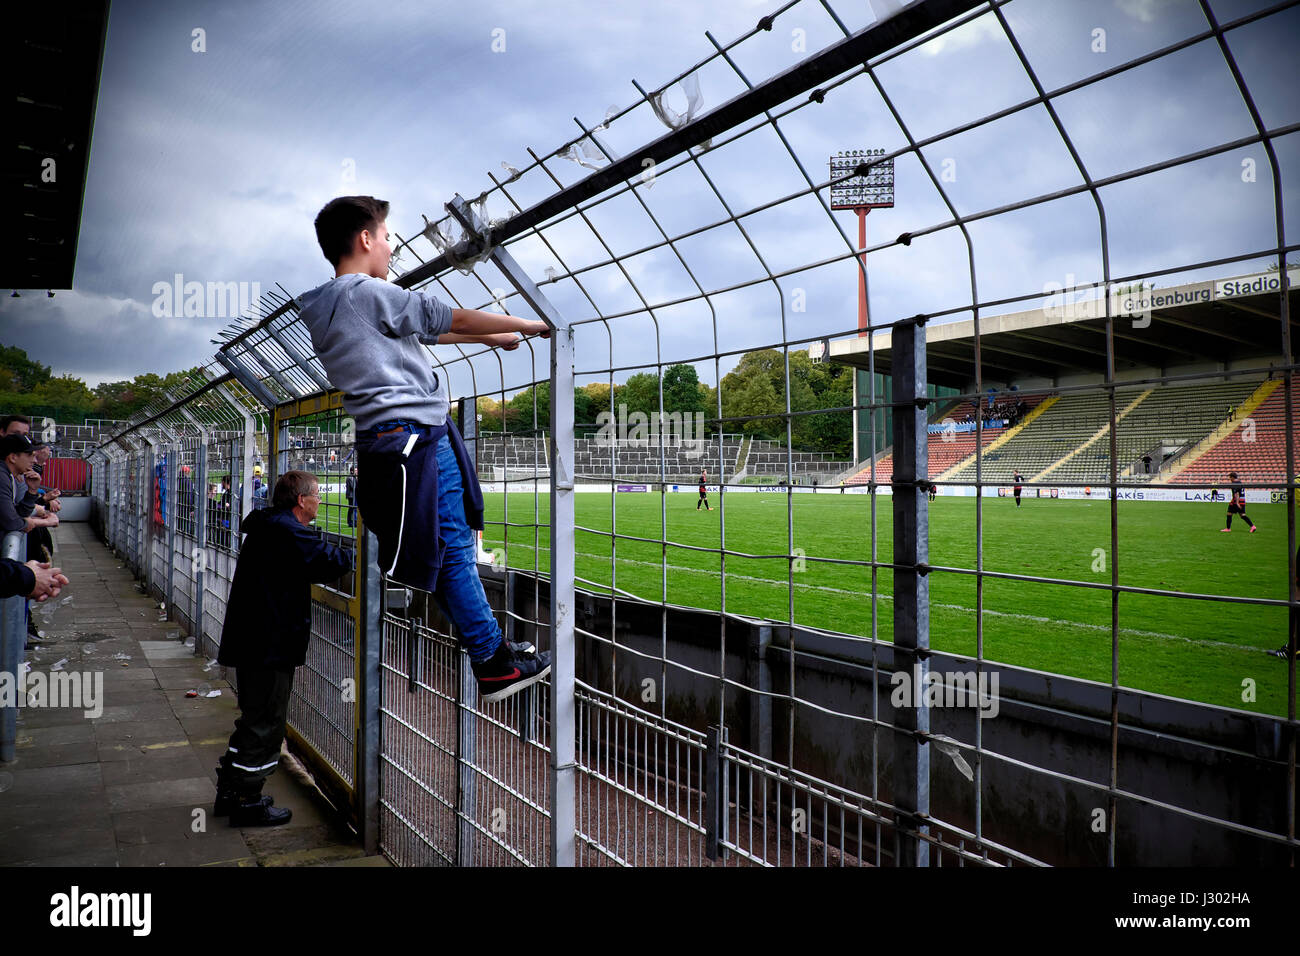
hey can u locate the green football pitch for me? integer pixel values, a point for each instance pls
(1211, 651)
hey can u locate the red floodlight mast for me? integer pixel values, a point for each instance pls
(869, 185)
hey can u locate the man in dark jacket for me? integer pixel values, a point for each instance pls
(350, 490)
(265, 635)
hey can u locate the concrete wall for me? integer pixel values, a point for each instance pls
(1215, 761)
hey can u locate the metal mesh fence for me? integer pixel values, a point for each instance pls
(799, 623)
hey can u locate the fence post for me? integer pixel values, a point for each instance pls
(759, 677)
(466, 751)
(244, 490)
(13, 639)
(200, 540)
(563, 709)
(137, 525)
(171, 508)
(713, 794)
(150, 462)
(110, 487)
(370, 645)
(911, 586)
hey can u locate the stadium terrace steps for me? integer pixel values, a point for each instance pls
(515, 456)
(742, 456)
(1059, 429)
(1096, 436)
(945, 456)
(1226, 428)
(1173, 418)
(1256, 451)
(1038, 404)
(1065, 435)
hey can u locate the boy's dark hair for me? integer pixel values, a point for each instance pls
(290, 486)
(10, 419)
(341, 220)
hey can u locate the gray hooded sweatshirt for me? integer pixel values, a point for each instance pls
(370, 336)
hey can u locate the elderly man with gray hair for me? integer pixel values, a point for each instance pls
(265, 636)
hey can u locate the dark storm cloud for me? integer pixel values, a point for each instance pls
(213, 165)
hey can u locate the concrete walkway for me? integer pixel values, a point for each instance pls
(134, 786)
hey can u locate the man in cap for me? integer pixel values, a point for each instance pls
(265, 635)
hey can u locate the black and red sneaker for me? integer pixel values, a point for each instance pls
(508, 671)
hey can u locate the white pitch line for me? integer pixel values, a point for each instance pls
(1037, 619)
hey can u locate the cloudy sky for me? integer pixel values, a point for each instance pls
(212, 164)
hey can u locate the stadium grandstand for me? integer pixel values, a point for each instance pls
(1197, 398)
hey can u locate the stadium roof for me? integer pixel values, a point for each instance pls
(52, 54)
(1217, 323)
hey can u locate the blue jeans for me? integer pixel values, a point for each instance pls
(460, 592)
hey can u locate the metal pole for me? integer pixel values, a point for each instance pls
(150, 462)
(370, 646)
(245, 489)
(563, 708)
(712, 793)
(563, 770)
(200, 539)
(911, 587)
(466, 753)
(13, 638)
(172, 507)
(760, 701)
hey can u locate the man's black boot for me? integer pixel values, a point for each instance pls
(258, 812)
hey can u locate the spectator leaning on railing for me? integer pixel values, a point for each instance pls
(22, 425)
(33, 580)
(40, 543)
(19, 483)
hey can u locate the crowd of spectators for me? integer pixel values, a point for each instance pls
(1000, 412)
(29, 507)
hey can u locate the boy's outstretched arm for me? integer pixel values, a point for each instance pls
(502, 340)
(478, 322)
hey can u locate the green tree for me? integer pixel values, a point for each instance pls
(682, 390)
(757, 386)
(640, 394)
(66, 393)
(597, 398)
(519, 410)
(747, 391)
(20, 373)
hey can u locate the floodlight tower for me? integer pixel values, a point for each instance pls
(869, 185)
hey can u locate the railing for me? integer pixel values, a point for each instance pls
(13, 638)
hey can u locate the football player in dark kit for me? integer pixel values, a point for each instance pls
(704, 492)
(1237, 504)
(1018, 479)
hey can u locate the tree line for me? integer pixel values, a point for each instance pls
(753, 402)
(27, 387)
(753, 398)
